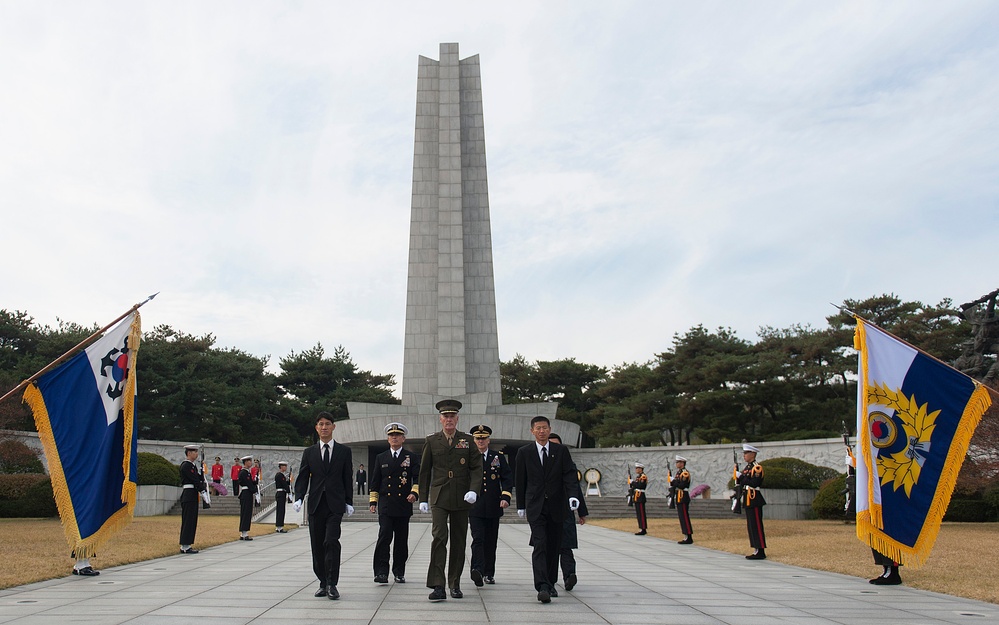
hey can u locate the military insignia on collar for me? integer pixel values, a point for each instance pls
(462, 443)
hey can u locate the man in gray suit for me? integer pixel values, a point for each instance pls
(326, 474)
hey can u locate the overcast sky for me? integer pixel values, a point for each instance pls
(652, 166)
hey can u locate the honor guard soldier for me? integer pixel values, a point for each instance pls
(192, 481)
(451, 475)
(681, 499)
(751, 480)
(282, 492)
(638, 487)
(484, 517)
(392, 490)
(247, 492)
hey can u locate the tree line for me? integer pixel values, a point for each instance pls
(707, 386)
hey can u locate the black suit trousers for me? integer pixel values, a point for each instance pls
(485, 536)
(324, 532)
(389, 528)
(546, 538)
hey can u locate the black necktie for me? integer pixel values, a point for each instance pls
(544, 456)
(326, 454)
(395, 455)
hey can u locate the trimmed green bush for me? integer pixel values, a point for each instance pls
(157, 470)
(13, 487)
(794, 473)
(967, 511)
(991, 500)
(37, 502)
(831, 499)
(16, 457)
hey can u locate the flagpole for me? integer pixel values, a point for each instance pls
(73, 349)
(904, 342)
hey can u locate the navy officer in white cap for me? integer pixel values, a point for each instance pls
(392, 491)
(751, 480)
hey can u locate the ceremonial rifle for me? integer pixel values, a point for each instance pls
(206, 498)
(737, 497)
(631, 490)
(671, 497)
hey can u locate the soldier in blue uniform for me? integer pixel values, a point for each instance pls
(282, 490)
(484, 517)
(392, 491)
(247, 493)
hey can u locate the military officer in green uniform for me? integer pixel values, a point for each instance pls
(392, 491)
(451, 477)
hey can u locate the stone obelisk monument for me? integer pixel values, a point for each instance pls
(452, 346)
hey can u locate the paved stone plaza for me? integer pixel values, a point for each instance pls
(622, 579)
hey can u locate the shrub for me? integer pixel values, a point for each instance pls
(991, 500)
(967, 511)
(155, 469)
(794, 473)
(38, 501)
(13, 487)
(830, 501)
(16, 457)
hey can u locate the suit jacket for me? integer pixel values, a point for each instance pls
(332, 485)
(450, 471)
(497, 482)
(545, 490)
(392, 481)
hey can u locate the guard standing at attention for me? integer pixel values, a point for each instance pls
(282, 492)
(751, 480)
(681, 498)
(638, 486)
(193, 483)
(392, 491)
(484, 517)
(247, 492)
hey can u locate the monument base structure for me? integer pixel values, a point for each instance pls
(451, 347)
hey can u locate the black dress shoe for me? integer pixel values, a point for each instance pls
(489, 579)
(189, 550)
(332, 593)
(570, 581)
(399, 579)
(381, 579)
(456, 593)
(438, 594)
(321, 592)
(87, 571)
(477, 577)
(892, 579)
(641, 533)
(758, 555)
(281, 531)
(553, 592)
(543, 596)
(686, 541)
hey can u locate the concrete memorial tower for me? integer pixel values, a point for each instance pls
(452, 346)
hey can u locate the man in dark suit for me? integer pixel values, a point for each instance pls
(546, 487)
(362, 479)
(282, 491)
(392, 491)
(570, 539)
(451, 476)
(484, 518)
(325, 474)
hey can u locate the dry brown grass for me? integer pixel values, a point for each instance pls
(35, 549)
(962, 563)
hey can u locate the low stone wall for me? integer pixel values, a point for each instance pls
(788, 504)
(156, 500)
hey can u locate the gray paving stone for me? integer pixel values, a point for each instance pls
(623, 580)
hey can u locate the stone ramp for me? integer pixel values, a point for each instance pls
(623, 579)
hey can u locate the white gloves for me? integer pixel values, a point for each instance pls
(256, 497)
(522, 513)
(350, 509)
(424, 506)
(297, 505)
(470, 496)
(573, 503)
(206, 497)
